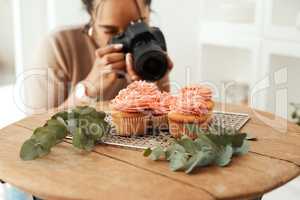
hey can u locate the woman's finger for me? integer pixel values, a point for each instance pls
(108, 49)
(121, 65)
(170, 62)
(112, 58)
(129, 67)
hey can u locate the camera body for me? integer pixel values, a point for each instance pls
(148, 47)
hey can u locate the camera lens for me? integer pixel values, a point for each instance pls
(151, 66)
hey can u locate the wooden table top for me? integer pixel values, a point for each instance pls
(113, 173)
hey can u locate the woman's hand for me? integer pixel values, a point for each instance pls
(110, 62)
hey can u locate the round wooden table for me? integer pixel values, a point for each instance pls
(114, 173)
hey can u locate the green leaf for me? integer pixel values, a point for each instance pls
(204, 142)
(72, 125)
(244, 149)
(188, 144)
(200, 159)
(64, 115)
(63, 123)
(223, 157)
(46, 136)
(83, 141)
(175, 147)
(42, 151)
(215, 146)
(58, 129)
(193, 162)
(178, 160)
(81, 110)
(235, 140)
(89, 111)
(157, 153)
(147, 152)
(54, 122)
(89, 145)
(94, 114)
(29, 151)
(97, 131)
(79, 139)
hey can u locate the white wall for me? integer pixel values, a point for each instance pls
(31, 27)
(180, 23)
(66, 12)
(35, 19)
(6, 39)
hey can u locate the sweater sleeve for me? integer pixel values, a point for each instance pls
(46, 86)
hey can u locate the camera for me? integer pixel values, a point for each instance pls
(148, 47)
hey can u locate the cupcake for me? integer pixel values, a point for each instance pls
(191, 111)
(160, 110)
(131, 109)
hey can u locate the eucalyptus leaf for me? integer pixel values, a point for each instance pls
(58, 129)
(64, 115)
(216, 146)
(42, 151)
(85, 124)
(200, 159)
(157, 153)
(193, 162)
(46, 136)
(223, 157)
(147, 152)
(188, 144)
(174, 148)
(235, 140)
(89, 145)
(93, 113)
(244, 149)
(79, 138)
(178, 160)
(29, 151)
(72, 125)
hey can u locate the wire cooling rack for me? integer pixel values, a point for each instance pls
(224, 119)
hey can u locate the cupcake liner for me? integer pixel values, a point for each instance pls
(131, 126)
(160, 123)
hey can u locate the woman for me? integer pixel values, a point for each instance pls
(81, 65)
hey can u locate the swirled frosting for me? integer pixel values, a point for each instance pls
(193, 100)
(163, 106)
(137, 97)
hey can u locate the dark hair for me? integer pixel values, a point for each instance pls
(90, 3)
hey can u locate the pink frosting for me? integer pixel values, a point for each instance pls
(141, 96)
(192, 100)
(137, 97)
(163, 106)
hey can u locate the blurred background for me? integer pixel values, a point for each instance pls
(248, 48)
